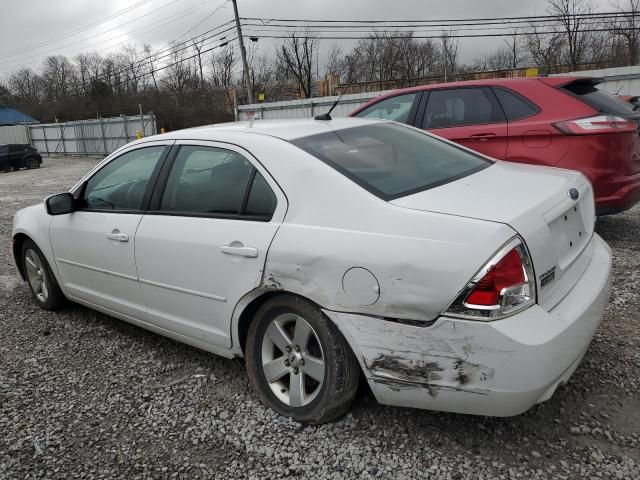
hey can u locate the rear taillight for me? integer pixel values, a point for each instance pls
(504, 285)
(596, 125)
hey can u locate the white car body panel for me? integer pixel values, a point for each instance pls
(417, 253)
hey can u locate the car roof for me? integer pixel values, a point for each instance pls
(504, 82)
(285, 129)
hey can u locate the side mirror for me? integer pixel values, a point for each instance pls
(60, 204)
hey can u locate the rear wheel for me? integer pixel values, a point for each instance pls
(298, 361)
(42, 282)
(31, 162)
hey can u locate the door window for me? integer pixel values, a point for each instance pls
(394, 108)
(122, 183)
(214, 181)
(460, 106)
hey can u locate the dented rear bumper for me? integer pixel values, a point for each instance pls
(499, 368)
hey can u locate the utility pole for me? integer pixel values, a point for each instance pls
(243, 53)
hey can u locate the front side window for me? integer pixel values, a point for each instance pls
(394, 108)
(460, 106)
(121, 183)
(216, 181)
(392, 160)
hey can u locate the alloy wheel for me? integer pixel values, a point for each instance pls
(36, 275)
(293, 361)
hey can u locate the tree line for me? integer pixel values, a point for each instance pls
(190, 84)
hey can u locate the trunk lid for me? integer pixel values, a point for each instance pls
(536, 203)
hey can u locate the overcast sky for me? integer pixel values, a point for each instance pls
(28, 23)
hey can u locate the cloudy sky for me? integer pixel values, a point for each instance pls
(32, 29)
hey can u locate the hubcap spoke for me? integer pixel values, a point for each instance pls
(275, 369)
(30, 263)
(43, 288)
(314, 367)
(296, 390)
(278, 336)
(302, 333)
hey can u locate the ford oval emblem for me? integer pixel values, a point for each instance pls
(574, 194)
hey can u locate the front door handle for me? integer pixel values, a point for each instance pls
(117, 236)
(240, 251)
(483, 136)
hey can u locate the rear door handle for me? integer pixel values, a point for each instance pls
(483, 136)
(240, 251)
(117, 236)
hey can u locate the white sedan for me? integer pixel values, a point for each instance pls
(325, 250)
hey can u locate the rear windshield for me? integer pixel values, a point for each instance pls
(603, 102)
(391, 160)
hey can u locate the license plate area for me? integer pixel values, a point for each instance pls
(569, 235)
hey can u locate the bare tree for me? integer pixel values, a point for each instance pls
(577, 35)
(544, 46)
(296, 55)
(26, 84)
(58, 74)
(179, 75)
(626, 26)
(151, 62)
(197, 44)
(335, 64)
(449, 55)
(223, 66)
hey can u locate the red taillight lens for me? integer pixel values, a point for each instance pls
(505, 285)
(596, 125)
(507, 273)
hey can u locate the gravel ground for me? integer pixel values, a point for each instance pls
(83, 395)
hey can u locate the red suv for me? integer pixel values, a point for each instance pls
(556, 121)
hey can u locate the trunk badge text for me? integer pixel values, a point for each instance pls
(573, 194)
(548, 277)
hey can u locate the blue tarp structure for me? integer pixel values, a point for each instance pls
(11, 116)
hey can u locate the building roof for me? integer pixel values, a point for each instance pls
(11, 116)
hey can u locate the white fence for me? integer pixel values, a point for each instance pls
(306, 108)
(14, 134)
(99, 136)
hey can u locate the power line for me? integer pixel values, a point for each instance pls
(13, 53)
(224, 3)
(97, 35)
(449, 20)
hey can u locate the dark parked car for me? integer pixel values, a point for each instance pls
(557, 121)
(16, 156)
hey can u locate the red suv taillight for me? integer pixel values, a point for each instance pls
(596, 125)
(503, 286)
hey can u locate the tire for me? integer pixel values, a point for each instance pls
(324, 368)
(42, 282)
(31, 162)
(6, 169)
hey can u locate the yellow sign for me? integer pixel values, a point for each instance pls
(261, 97)
(531, 72)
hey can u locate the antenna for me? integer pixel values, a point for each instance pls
(327, 116)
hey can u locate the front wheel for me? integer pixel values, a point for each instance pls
(31, 162)
(298, 361)
(42, 282)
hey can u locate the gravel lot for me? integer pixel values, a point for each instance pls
(83, 395)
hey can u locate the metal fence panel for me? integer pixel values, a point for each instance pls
(14, 134)
(99, 136)
(306, 108)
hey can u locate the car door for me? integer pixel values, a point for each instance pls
(94, 246)
(470, 116)
(400, 108)
(204, 242)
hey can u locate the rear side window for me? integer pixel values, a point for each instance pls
(603, 102)
(214, 181)
(391, 160)
(394, 108)
(515, 107)
(460, 106)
